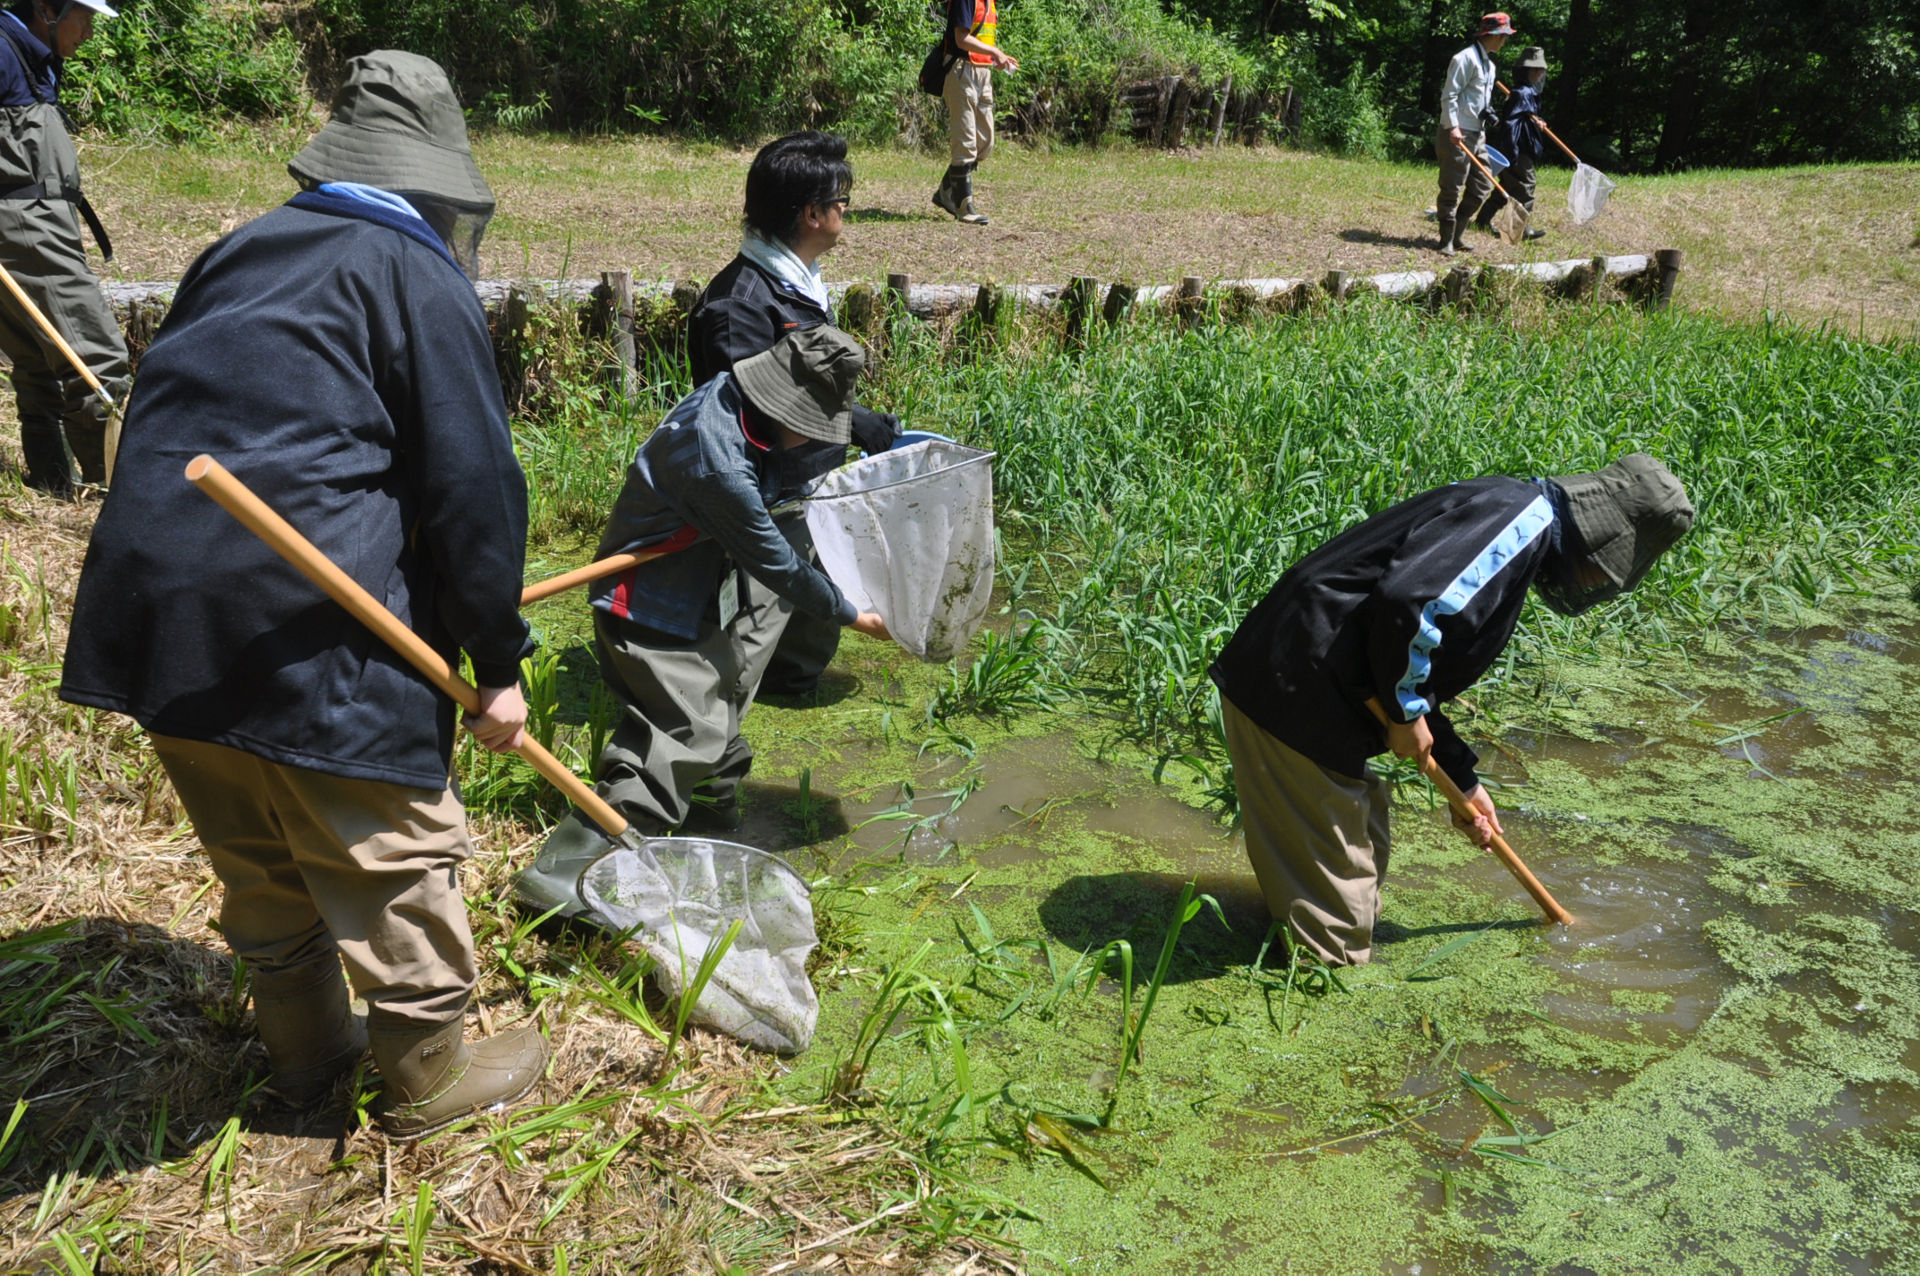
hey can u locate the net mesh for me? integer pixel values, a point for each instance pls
(678, 896)
(909, 534)
(1587, 193)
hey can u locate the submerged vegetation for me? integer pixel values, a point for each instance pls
(1057, 1031)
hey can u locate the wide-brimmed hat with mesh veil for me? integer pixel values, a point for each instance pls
(1621, 519)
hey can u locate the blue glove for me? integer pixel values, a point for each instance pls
(909, 437)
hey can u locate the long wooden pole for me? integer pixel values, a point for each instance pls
(112, 446)
(1504, 853)
(581, 575)
(233, 496)
(1556, 140)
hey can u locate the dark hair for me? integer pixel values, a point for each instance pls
(791, 172)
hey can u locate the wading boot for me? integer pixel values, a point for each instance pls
(968, 213)
(949, 195)
(306, 1022)
(43, 446)
(433, 1078)
(1446, 237)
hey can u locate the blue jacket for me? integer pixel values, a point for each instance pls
(341, 369)
(701, 488)
(1518, 135)
(29, 72)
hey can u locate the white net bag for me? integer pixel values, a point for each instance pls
(680, 894)
(1587, 193)
(909, 534)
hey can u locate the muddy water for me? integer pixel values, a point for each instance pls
(1722, 1055)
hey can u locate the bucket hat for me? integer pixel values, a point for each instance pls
(1496, 24)
(1533, 58)
(1623, 517)
(805, 382)
(397, 125)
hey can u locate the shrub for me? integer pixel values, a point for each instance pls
(174, 70)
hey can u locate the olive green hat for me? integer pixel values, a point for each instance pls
(397, 125)
(806, 382)
(1627, 515)
(1533, 57)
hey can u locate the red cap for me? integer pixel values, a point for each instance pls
(1496, 24)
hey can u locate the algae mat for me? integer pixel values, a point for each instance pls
(1716, 1070)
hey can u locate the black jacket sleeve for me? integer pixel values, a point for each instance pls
(1443, 608)
(471, 521)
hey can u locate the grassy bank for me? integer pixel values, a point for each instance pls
(1828, 244)
(1021, 1064)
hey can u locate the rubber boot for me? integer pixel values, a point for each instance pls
(43, 445)
(305, 1019)
(948, 196)
(432, 1077)
(1462, 220)
(552, 881)
(1446, 237)
(968, 213)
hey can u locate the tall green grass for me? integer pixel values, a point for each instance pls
(1151, 488)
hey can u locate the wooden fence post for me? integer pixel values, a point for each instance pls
(686, 295)
(1667, 262)
(856, 310)
(1457, 285)
(510, 346)
(1077, 301)
(1177, 111)
(898, 287)
(1220, 110)
(1335, 285)
(982, 325)
(617, 286)
(1119, 300)
(1190, 300)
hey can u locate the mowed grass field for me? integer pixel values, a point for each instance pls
(1838, 244)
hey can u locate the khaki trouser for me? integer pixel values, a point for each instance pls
(968, 93)
(315, 863)
(1458, 174)
(1318, 841)
(40, 246)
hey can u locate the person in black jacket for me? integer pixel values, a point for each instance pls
(1519, 136)
(333, 355)
(1400, 614)
(796, 200)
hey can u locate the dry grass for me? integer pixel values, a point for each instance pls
(1820, 244)
(141, 1149)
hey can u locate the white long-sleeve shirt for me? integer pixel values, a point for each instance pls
(1468, 88)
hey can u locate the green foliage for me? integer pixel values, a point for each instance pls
(1346, 118)
(175, 70)
(738, 71)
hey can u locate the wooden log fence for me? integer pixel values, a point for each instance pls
(610, 305)
(1175, 111)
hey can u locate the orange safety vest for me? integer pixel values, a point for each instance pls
(984, 25)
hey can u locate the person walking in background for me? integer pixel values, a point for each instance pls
(334, 354)
(1518, 135)
(973, 37)
(796, 203)
(1384, 623)
(684, 638)
(1464, 97)
(63, 423)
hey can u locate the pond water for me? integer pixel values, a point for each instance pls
(1716, 1068)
